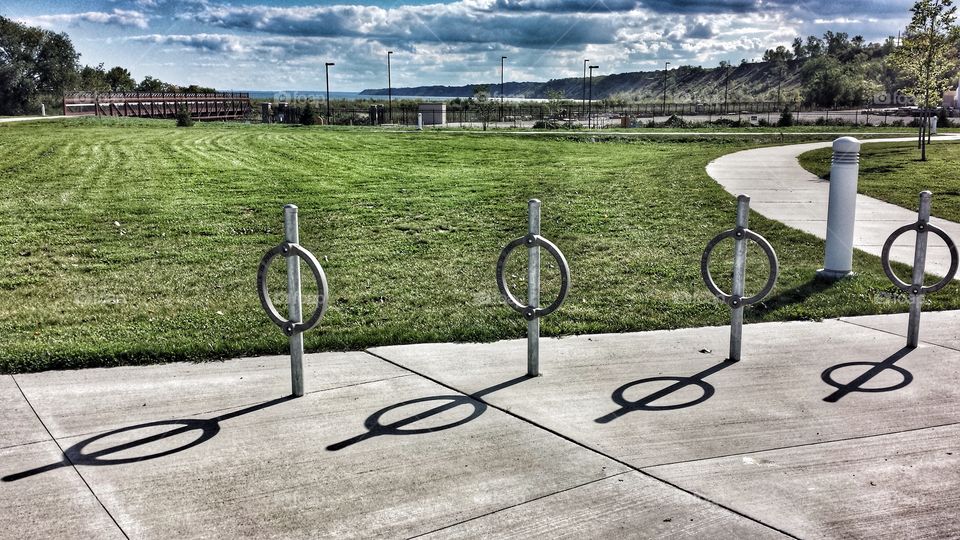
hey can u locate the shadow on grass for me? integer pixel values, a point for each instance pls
(796, 295)
(207, 428)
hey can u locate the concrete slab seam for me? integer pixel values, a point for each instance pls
(320, 391)
(445, 527)
(72, 465)
(932, 344)
(589, 448)
(803, 445)
(22, 444)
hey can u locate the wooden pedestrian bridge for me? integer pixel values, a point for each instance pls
(209, 106)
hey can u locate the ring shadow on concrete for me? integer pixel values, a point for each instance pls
(856, 385)
(207, 427)
(375, 428)
(679, 383)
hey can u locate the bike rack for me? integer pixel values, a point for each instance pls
(735, 299)
(532, 310)
(916, 289)
(294, 327)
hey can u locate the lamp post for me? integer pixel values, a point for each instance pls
(590, 102)
(583, 93)
(779, 84)
(502, 58)
(326, 68)
(726, 88)
(389, 91)
(664, 110)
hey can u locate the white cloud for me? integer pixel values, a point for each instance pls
(117, 17)
(224, 43)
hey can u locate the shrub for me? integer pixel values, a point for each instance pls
(308, 116)
(942, 119)
(183, 116)
(786, 118)
(547, 124)
(675, 122)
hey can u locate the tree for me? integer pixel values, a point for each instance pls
(814, 47)
(120, 80)
(93, 79)
(798, 50)
(32, 61)
(926, 55)
(555, 102)
(485, 107)
(149, 84)
(184, 119)
(780, 54)
(308, 116)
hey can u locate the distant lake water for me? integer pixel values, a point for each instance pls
(317, 95)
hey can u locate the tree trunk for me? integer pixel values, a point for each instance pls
(923, 138)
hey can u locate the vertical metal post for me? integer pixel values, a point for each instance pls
(533, 292)
(291, 233)
(919, 261)
(739, 277)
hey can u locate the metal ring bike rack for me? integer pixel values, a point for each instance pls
(916, 290)
(738, 234)
(295, 326)
(735, 298)
(532, 311)
(907, 287)
(292, 250)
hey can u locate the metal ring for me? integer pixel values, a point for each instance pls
(530, 312)
(906, 287)
(729, 299)
(292, 250)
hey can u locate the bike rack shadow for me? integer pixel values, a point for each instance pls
(856, 385)
(208, 428)
(376, 429)
(645, 403)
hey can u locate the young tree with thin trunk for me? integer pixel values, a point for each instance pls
(927, 55)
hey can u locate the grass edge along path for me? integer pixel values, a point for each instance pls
(893, 172)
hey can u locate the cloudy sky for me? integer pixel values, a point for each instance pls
(283, 44)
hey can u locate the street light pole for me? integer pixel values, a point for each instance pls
(726, 87)
(389, 91)
(502, 58)
(326, 68)
(583, 92)
(779, 85)
(590, 102)
(665, 66)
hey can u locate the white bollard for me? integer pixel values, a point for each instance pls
(419, 121)
(43, 110)
(842, 210)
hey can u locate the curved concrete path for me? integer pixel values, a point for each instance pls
(780, 189)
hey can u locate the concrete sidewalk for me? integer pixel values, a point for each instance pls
(782, 190)
(823, 430)
(31, 118)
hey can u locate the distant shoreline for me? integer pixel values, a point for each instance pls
(299, 95)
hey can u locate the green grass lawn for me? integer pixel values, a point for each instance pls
(893, 172)
(129, 242)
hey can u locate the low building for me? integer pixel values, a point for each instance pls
(950, 99)
(434, 114)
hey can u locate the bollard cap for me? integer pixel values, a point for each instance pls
(846, 144)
